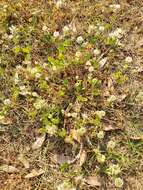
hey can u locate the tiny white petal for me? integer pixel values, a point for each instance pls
(56, 34)
(59, 4)
(34, 94)
(7, 102)
(44, 28)
(128, 59)
(66, 29)
(91, 69)
(96, 52)
(91, 28)
(88, 63)
(101, 28)
(79, 39)
(103, 62)
(37, 75)
(78, 54)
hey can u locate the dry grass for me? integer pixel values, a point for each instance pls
(71, 89)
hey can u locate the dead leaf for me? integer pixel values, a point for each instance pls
(60, 159)
(8, 169)
(136, 138)
(75, 135)
(93, 181)
(83, 157)
(38, 143)
(6, 121)
(111, 128)
(24, 161)
(34, 173)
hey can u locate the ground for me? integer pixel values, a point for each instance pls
(71, 95)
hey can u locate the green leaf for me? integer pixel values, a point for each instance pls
(26, 49)
(16, 49)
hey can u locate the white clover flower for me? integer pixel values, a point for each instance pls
(51, 130)
(79, 39)
(77, 77)
(91, 28)
(18, 67)
(60, 4)
(84, 115)
(101, 28)
(39, 103)
(34, 94)
(22, 87)
(10, 36)
(46, 78)
(118, 6)
(54, 68)
(7, 102)
(56, 34)
(91, 69)
(38, 75)
(114, 169)
(128, 59)
(96, 51)
(111, 144)
(119, 182)
(102, 62)
(12, 29)
(45, 65)
(90, 75)
(84, 44)
(24, 91)
(66, 29)
(100, 114)
(88, 63)
(78, 54)
(36, 62)
(100, 135)
(74, 114)
(115, 7)
(44, 28)
(101, 158)
(68, 114)
(118, 33)
(33, 70)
